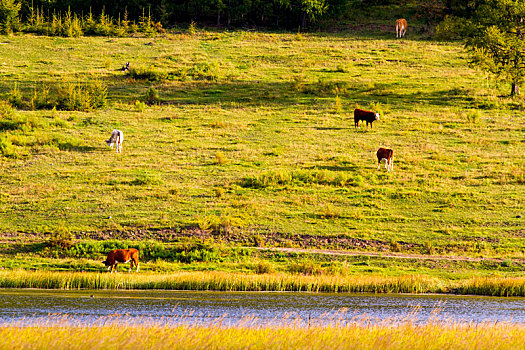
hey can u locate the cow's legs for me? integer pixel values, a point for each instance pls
(392, 164)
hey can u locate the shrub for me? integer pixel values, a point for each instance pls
(41, 98)
(98, 92)
(6, 111)
(61, 238)
(6, 148)
(258, 241)
(338, 108)
(226, 224)
(328, 212)
(428, 248)
(306, 268)
(394, 246)
(9, 21)
(452, 28)
(220, 158)
(204, 71)
(151, 97)
(473, 116)
(262, 267)
(149, 73)
(85, 98)
(218, 192)
(192, 28)
(145, 178)
(140, 106)
(15, 97)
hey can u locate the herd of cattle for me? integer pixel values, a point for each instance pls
(383, 154)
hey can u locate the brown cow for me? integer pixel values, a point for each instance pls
(401, 27)
(122, 256)
(388, 156)
(369, 117)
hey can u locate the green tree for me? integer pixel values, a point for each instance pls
(9, 16)
(311, 9)
(497, 41)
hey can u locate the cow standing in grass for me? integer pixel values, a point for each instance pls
(388, 156)
(401, 27)
(369, 117)
(122, 256)
(117, 137)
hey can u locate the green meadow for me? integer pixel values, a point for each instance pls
(236, 139)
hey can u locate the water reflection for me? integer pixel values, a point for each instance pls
(250, 308)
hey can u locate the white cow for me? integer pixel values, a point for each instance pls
(116, 138)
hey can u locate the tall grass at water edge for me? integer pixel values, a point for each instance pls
(434, 335)
(222, 281)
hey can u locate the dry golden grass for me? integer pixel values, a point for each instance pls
(434, 335)
(224, 281)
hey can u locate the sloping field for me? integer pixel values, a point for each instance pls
(254, 138)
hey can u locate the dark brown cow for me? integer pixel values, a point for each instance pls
(122, 256)
(388, 156)
(361, 114)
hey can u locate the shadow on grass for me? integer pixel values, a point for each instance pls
(257, 93)
(335, 167)
(15, 249)
(67, 146)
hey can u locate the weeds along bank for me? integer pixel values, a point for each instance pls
(357, 336)
(248, 137)
(224, 281)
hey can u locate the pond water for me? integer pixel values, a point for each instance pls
(249, 308)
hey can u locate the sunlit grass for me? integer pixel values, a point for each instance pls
(153, 335)
(265, 146)
(223, 281)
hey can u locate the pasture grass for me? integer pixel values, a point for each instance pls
(286, 335)
(248, 138)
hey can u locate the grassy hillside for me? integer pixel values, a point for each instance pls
(253, 142)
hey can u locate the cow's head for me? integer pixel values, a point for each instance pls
(106, 263)
(377, 116)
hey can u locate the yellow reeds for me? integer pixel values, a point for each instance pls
(221, 281)
(151, 335)
(224, 281)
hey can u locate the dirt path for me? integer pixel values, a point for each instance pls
(383, 255)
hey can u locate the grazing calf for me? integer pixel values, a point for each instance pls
(116, 138)
(401, 27)
(388, 156)
(369, 117)
(122, 256)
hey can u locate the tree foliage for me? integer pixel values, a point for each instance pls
(8, 15)
(497, 41)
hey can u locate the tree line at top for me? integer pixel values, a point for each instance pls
(287, 14)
